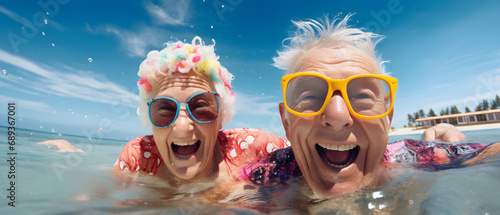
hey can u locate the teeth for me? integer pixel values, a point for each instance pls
(185, 143)
(337, 147)
(338, 166)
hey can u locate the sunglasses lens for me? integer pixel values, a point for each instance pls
(162, 112)
(204, 107)
(369, 96)
(306, 94)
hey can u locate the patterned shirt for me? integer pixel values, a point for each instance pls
(238, 146)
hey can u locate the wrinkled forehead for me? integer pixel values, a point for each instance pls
(182, 81)
(336, 62)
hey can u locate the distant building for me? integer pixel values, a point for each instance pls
(478, 117)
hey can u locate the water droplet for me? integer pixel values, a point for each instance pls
(43, 33)
(45, 20)
(4, 72)
(48, 13)
(411, 202)
(90, 60)
(371, 205)
(222, 6)
(211, 26)
(53, 131)
(53, 45)
(377, 195)
(90, 138)
(59, 134)
(41, 126)
(20, 78)
(86, 117)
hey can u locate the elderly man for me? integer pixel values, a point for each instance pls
(337, 110)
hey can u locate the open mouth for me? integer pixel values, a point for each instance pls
(185, 149)
(338, 156)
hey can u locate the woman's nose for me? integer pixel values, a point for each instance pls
(183, 123)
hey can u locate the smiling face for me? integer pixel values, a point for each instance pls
(186, 146)
(336, 152)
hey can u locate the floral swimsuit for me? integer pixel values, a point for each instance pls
(280, 166)
(239, 146)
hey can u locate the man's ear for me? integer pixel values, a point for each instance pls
(284, 121)
(391, 114)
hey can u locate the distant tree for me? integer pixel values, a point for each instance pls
(421, 113)
(411, 120)
(416, 116)
(447, 111)
(431, 113)
(485, 105)
(479, 107)
(441, 112)
(467, 110)
(454, 109)
(495, 104)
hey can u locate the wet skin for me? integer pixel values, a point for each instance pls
(336, 127)
(190, 150)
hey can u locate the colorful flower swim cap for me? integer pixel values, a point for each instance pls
(183, 57)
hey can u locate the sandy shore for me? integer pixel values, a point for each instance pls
(405, 131)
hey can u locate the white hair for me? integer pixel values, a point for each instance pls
(326, 33)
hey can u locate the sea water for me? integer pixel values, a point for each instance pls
(48, 182)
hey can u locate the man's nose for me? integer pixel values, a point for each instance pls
(336, 115)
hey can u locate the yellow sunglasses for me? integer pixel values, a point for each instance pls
(367, 96)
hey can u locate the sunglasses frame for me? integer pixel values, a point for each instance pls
(341, 85)
(187, 108)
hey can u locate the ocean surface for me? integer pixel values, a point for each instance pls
(48, 182)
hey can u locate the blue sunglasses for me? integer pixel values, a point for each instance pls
(202, 107)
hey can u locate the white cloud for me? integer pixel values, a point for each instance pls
(255, 105)
(70, 83)
(167, 12)
(136, 42)
(18, 18)
(31, 105)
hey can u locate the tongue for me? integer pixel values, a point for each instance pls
(186, 150)
(336, 157)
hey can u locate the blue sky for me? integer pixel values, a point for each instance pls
(71, 66)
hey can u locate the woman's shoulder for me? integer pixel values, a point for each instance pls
(241, 145)
(140, 153)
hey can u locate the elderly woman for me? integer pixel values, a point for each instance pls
(186, 97)
(337, 110)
